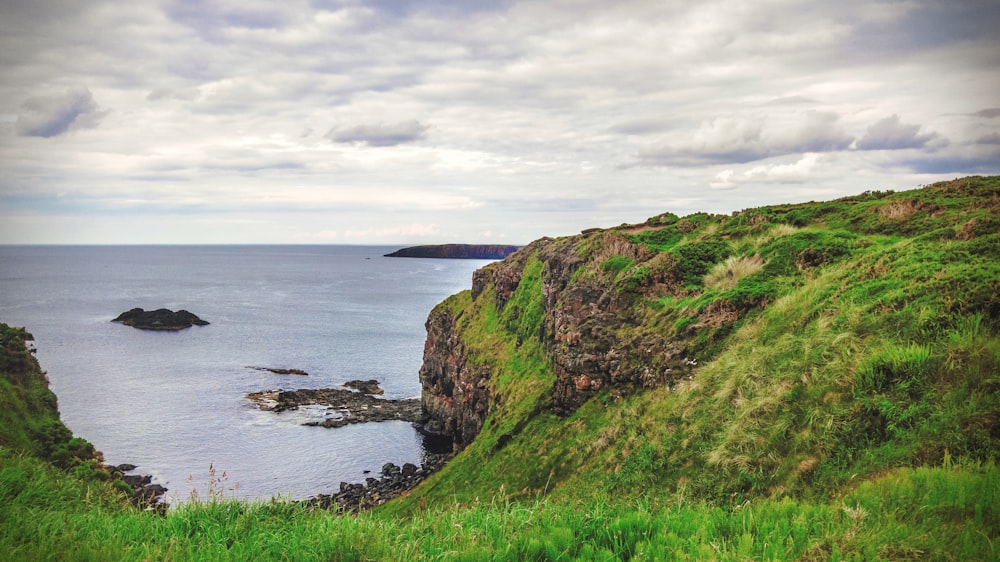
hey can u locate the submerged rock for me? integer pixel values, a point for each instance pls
(160, 319)
(299, 372)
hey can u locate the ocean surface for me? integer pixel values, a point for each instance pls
(174, 403)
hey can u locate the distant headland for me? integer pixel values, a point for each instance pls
(457, 251)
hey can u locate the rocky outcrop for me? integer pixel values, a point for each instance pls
(365, 387)
(343, 406)
(457, 251)
(280, 371)
(160, 319)
(145, 493)
(394, 481)
(589, 330)
(454, 393)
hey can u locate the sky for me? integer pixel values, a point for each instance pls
(491, 121)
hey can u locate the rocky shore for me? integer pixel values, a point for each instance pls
(344, 406)
(394, 481)
(145, 494)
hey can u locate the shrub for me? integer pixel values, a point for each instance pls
(617, 264)
(727, 274)
(696, 258)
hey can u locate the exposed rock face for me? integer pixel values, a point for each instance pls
(587, 330)
(161, 319)
(454, 396)
(457, 251)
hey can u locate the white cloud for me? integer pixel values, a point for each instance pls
(740, 140)
(520, 119)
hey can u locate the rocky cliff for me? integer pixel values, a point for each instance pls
(456, 251)
(617, 311)
(587, 329)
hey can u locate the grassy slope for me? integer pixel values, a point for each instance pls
(868, 340)
(821, 423)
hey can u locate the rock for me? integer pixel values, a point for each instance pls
(580, 330)
(160, 319)
(299, 372)
(354, 498)
(352, 407)
(145, 494)
(365, 387)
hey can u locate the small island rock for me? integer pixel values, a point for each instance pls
(160, 319)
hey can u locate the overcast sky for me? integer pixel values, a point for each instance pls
(349, 122)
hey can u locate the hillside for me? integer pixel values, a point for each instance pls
(817, 381)
(785, 350)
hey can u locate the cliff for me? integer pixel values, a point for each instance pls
(781, 348)
(456, 251)
(30, 425)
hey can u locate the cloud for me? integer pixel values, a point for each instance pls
(795, 172)
(56, 114)
(891, 134)
(380, 134)
(992, 138)
(726, 140)
(989, 113)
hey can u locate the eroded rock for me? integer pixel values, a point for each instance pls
(160, 320)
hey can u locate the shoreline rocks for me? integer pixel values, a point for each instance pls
(365, 387)
(145, 494)
(159, 320)
(344, 406)
(394, 482)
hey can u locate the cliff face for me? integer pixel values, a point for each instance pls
(587, 323)
(616, 312)
(455, 395)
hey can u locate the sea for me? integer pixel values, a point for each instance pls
(174, 403)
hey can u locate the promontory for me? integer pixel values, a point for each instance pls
(456, 251)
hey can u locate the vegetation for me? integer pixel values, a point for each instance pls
(839, 398)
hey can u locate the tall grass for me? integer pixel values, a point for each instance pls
(726, 275)
(949, 512)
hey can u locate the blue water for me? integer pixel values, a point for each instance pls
(174, 402)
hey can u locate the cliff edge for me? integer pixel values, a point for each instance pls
(781, 348)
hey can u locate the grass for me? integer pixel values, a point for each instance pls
(825, 386)
(947, 512)
(726, 275)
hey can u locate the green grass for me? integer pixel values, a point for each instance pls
(831, 392)
(945, 513)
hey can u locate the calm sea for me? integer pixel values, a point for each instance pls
(174, 403)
